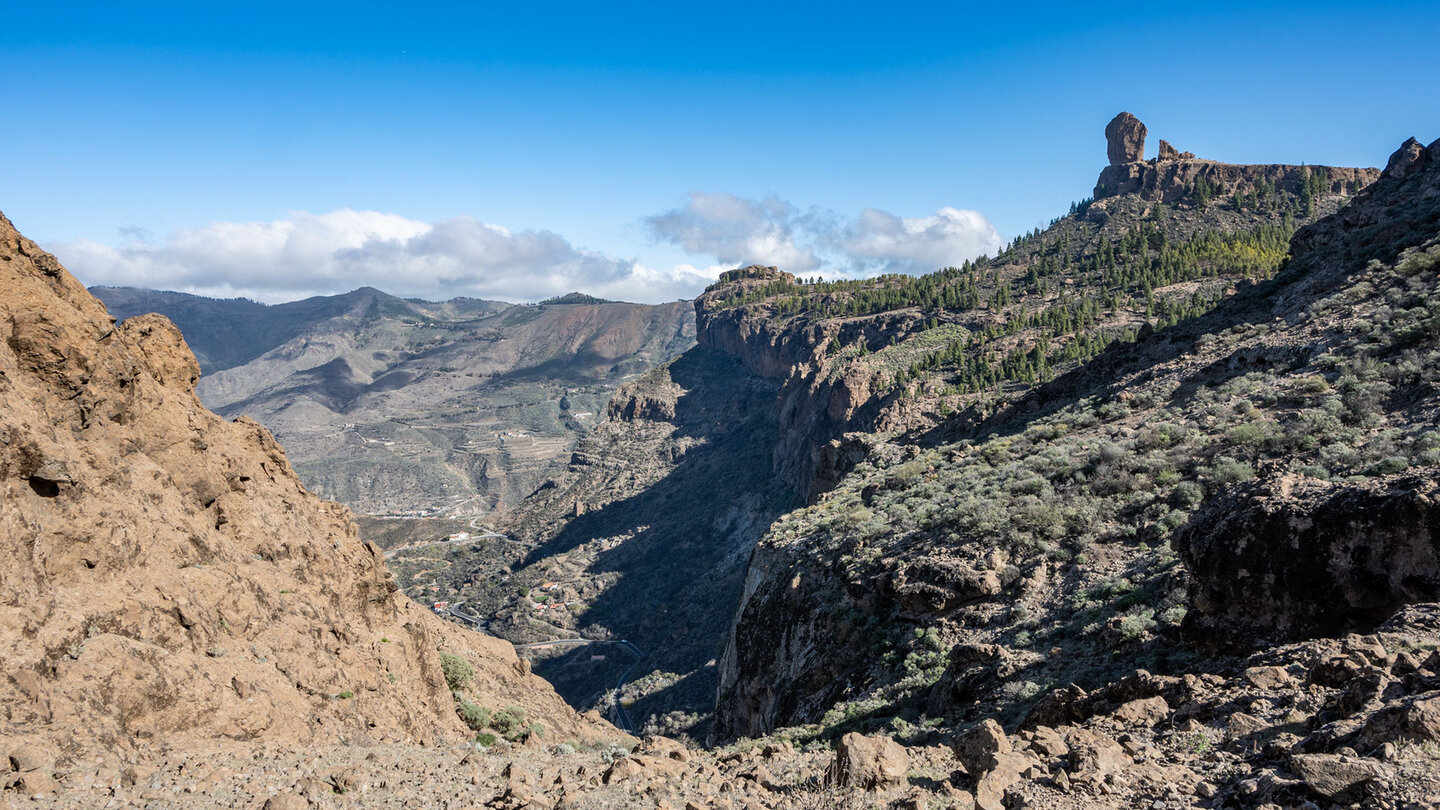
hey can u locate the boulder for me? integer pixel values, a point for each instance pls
(1414, 719)
(623, 769)
(1049, 742)
(871, 763)
(978, 746)
(1294, 557)
(1142, 712)
(287, 801)
(1333, 775)
(1125, 139)
(1007, 769)
(29, 757)
(1094, 757)
(664, 747)
(1270, 678)
(1241, 726)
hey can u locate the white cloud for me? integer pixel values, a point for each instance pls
(313, 254)
(878, 241)
(308, 254)
(771, 231)
(736, 231)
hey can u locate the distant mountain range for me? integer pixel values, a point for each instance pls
(395, 405)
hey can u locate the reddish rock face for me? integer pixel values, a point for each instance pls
(1125, 139)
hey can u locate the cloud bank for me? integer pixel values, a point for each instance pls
(308, 254)
(320, 254)
(737, 231)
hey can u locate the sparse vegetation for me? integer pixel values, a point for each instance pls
(458, 671)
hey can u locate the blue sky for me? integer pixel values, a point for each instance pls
(519, 150)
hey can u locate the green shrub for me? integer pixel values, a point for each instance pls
(476, 717)
(346, 695)
(487, 740)
(458, 671)
(1388, 465)
(1187, 495)
(1137, 624)
(1229, 471)
(508, 720)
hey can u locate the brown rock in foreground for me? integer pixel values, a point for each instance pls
(868, 762)
(162, 571)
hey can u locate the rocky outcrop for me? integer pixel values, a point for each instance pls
(1168, 152)
(817, 404)
(1175, 179)
(1173, 175)
(1295, 557)
(1125, 139)
(164, 575)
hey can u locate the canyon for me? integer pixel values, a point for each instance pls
(1138, 511)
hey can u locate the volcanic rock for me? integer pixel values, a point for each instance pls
(1125, 139)
(868, 762)
(1295, 557)
(1169, 152)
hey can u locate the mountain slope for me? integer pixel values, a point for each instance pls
(968, 571)
(393, 405)
(838, 370)
(164, 575)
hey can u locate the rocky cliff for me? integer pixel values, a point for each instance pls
(1297, 558)
(1173, 175)
(819, 399)
(165, 576)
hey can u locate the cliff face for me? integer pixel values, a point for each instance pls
(1297, 558)
(818, 400)
(1170, 180)
(162, 571)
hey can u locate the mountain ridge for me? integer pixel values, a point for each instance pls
(396, 406)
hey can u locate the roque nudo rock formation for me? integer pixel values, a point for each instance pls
(1172, 175)
(163, 574)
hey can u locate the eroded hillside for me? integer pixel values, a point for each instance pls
(1007, 568)
(164, 576)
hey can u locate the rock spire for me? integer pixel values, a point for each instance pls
(1125, 139)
